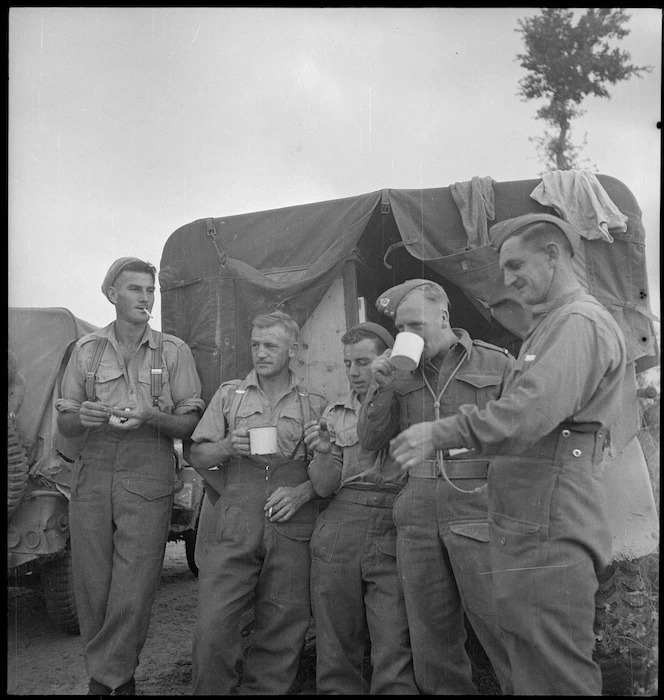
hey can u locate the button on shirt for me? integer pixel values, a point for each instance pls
(120, 385)
(571, 368)
(352, 464)
(255, 411)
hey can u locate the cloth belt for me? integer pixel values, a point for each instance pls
(566, 444)
(455, 469)
(379, 499)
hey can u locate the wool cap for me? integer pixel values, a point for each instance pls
(503, 230)
(114, 271)
(389, 300)
(376, 329)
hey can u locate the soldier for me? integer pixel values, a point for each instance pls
(549, 530)
(355, 587)
(133, 390)
(262, 514)
(441, 515)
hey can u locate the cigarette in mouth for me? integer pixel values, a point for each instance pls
(147, 312)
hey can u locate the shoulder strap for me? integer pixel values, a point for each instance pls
(156, 370)
(100, 346)
(235, 405)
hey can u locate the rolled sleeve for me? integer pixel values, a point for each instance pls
(212, 426)
(185, 383)
(72, 388)
(325, 469)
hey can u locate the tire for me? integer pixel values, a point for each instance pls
(625, 628)
(189, 537)
(58, 584)
(17, 468)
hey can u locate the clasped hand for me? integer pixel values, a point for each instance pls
(93, 414)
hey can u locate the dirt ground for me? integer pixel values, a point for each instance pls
(43, 661)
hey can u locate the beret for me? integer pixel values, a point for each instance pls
(503, 230)
(388, 301)
(114, 270)
(377, 330)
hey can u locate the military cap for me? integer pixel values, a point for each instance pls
(503, 230)
(376, 329)
(114, 272)
(388, 301)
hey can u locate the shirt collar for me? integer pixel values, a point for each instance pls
(540, 311)
(464, 340)
(148, 336)
(293, 380)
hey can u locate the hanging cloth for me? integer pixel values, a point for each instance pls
(475, 202)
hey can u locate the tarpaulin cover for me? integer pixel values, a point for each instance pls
(40, 338)
(217, 273)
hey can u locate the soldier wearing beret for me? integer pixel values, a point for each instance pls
(132, 390)
(441, 514)
(546, 434)
(355, 586)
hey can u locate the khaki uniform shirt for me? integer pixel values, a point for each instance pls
(120, 385)
(349, 463)
(255, 411)
(571, 368)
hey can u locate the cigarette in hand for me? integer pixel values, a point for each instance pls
(269, 512)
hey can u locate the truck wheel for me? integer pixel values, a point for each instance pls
(58, 583)
(17, 468)
(625, 629)
(189, 537)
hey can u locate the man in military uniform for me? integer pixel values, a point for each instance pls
(547, 507)
(133, 390)
(257, 521)
(441, 514)
(355, 586)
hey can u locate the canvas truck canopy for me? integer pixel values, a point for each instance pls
(217, 273)
(326, 263)
(41, 340)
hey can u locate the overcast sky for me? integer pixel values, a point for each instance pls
(126, 123)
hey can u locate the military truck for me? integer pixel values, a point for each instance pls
(326, 263)
(40, 341)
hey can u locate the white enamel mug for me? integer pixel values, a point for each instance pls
(407, 351)
(263, 441)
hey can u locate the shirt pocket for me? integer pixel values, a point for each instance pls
(290, 428)
(478, 389)
(250, 415)
(475, 530)
(347, 437)
(106, 380)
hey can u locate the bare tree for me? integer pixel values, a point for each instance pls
(565, 64)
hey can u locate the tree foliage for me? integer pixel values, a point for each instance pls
(567, 63)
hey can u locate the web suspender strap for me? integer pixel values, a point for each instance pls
(90, 392)
(156, 370)
(304, 408)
